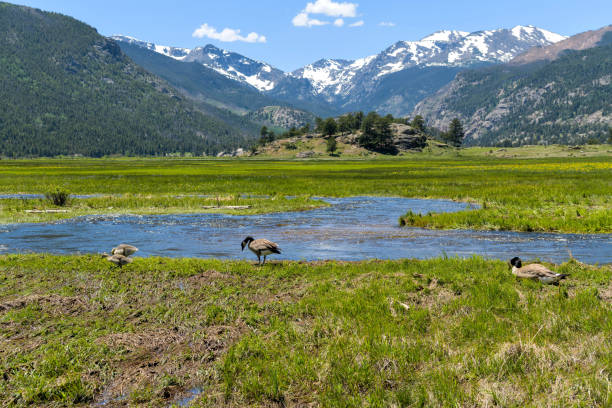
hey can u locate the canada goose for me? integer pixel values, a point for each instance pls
(535, 271)
(261, 247)
(124, 249)
(117, 259)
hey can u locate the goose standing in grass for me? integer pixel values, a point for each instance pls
(535, 271)
(117, 259)
(261, 247)
(124, 249)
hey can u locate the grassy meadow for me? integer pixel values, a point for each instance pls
(515, 190)
(76, 330)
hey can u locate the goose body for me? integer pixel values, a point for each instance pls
(261, 247)
(117, 259)
(535, 272)
(124, 249)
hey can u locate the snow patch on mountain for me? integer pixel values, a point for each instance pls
(445, 36)
(172, 52)
(336, 78)
(443, 48)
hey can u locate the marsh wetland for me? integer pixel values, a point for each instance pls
(392, 289)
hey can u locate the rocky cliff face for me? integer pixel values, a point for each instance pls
(281, 116)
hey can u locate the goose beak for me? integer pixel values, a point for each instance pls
(242, 246)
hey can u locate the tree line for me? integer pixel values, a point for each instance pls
(374, 131)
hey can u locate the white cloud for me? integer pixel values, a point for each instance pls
(327, 8)
(304, 20)
(227, 34)
(386, 24)
(331, 8)
(357, 24)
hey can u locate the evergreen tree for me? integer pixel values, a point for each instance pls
(367, 124)
(418, 123)
(376, 133)
(357, 120)
(455, 133)
(345, 123)
(610, 135)
(330, 127)
(318, 124)
(332, 145)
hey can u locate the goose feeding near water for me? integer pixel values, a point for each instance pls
(124, 249)
(536, 272)
(261, 247)
(117, 259)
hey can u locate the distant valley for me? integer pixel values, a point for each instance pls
(69, 91)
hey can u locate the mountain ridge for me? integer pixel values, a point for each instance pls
(346, 83)
(567, 100)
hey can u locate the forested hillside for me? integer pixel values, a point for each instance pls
(568, 100)
(64, 89)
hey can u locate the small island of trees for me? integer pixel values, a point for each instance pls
(374, 131)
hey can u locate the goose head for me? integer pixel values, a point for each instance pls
(516, 262)
(246, 242)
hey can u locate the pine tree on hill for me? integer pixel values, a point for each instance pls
(455, 133)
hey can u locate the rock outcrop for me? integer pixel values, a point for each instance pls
(407, 138)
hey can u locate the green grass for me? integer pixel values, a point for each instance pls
(441, 332)
(16, 210)
(566, 194)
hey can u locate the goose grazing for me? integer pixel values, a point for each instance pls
(117, 259)
(124, 249)
(535, 271)
(261, 247)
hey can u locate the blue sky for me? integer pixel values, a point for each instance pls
(291, 33)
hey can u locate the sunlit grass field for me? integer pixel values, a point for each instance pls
(566, 194)
(441, 332)
(75, 330)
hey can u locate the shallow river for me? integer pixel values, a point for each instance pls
(351, 229)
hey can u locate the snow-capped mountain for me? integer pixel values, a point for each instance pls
(173, 52)
(443, 48)
(355, 84)
(258, 74)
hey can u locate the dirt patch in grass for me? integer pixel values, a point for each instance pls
(433, 295)
(168, 362)
(605, 294)
(290, 294)
(154, 341)
(67, 305)
(499, 393)
(209, 277)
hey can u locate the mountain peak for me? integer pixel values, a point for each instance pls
(577, 42)
(445, 36)
(530, 31)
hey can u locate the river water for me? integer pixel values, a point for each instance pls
(351, 228)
